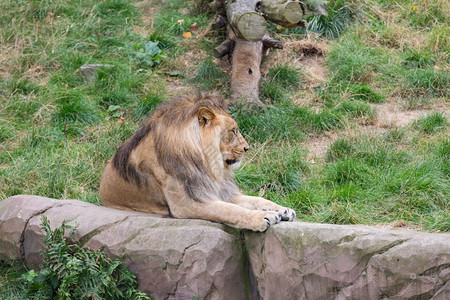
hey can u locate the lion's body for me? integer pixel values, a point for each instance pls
(180, 162)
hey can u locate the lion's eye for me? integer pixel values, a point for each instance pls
(233, 131)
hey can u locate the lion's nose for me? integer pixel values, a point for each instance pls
(245, 149)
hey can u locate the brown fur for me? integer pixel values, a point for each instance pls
(180, 162)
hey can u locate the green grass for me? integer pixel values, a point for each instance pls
(365, 180)
(432, 123)
(286, 122)
(365, 93)
(175, 23)
(341, 14)
(209, 76)
(279, 81)
(11, 282)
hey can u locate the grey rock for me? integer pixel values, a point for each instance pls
(15, 212)
(319, 261)
(89, 71)
(183, 259)
(172, 258)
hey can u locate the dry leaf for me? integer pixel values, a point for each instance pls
(194, 27)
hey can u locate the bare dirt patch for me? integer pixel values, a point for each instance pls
(391, 114)
(148, 9)
(318, 145)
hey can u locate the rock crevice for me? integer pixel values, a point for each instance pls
(184, 259)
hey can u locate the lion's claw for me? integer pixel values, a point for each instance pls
(288, 215)
(270, 218)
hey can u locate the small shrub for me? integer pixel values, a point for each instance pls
(432, 123)
(163, 40)
(70, 271)
(149, 55)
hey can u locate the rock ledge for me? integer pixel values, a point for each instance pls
(182, 259)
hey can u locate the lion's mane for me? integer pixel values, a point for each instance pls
(182, 149)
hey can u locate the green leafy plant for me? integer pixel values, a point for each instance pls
(72, 272)
(114, 111)
(150, 55)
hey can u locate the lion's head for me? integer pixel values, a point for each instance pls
(220, 134)
(197, 141)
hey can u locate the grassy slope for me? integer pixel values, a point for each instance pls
(57, 131)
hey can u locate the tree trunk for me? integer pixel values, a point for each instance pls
(247, 30)
(245, 73)
(246, 23)
(286, 13)
(223, 49)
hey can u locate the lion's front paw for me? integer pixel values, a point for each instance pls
(288, 214)
(265, 219)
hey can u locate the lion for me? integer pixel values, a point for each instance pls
(180, 163)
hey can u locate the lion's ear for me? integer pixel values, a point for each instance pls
(205, 115)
